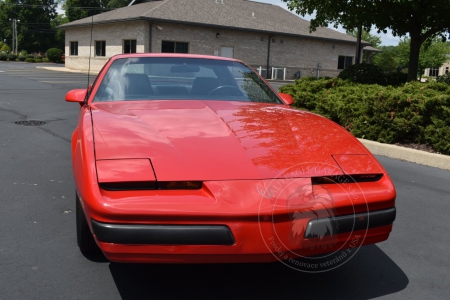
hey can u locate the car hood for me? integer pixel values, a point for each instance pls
(220, 140)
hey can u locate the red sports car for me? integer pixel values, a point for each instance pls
(196, 159)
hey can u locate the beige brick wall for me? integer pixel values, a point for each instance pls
(293, 53)
(112, 34)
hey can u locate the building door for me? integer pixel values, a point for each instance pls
(227, 52)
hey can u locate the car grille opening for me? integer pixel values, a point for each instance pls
(340, 179)
(151, 185)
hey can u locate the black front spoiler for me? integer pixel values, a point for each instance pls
(163, 234)
(350, 223)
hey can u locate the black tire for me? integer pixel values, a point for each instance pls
(85, 240)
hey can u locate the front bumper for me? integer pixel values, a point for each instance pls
(238, 242)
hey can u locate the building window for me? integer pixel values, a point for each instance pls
(129, 46)
(100, 47)
(344, 61)
(434, 72)
(74, 48)
(446, 70)
(174, 47)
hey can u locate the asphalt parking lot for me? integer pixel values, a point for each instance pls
(39, 258)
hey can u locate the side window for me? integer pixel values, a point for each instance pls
(174, 47)
(100, 47)
(74, 48)
(129, 46)
(344, 61)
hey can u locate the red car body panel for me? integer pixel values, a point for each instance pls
(237, 149)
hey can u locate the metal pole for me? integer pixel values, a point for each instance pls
(268, 58)
(15, 30)
(17, 42)
(13, 35)
(358, 46)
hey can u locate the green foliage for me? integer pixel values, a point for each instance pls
(76, 9)
(21, 58)
(45, 59)
(414, 112)
(415, 18)
(54, 54)
(387, 60)
(37, 57)
(38, 60)
(396, 78)
(432, 54)
(29, 59)
(444, 78)
(30, 56)
(363, 73)
(3, 57)
(5, 48)
(23, 53)
(374, 40)
(34, 32)
(12, 57)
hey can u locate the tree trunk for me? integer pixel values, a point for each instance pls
(414, 52)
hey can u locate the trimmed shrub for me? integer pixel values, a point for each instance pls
(363, 73)
(38, 60)
(444, 78)
(396, 78)
(21, 58)
(23, 53)
(12, 57)
(54, 54)
(29, 59)
(3, 57)
(38, 57)
(30, 56)
(45, 60)
(414, 112)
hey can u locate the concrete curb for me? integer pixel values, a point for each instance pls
(407, 154)
(64, 69)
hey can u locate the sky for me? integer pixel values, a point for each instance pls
(386, 39)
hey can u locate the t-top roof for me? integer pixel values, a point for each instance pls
(233, 14)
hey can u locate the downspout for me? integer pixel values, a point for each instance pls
(268, 57)
(150, 36)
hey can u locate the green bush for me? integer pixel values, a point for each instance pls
(396, 78)
(23, 53)
(45, 60)
(414, 112)
(29, 59)
(37, 57)
(12, 57)
(38, 60)
(54, 54)
(21, 57)
(444, 78)
(363, 73)
(30, 56)
(3, 57)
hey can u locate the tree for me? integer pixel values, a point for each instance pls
(374, 40)
(79, 9)
(118, 3)
(387, 60)
(59, 33)
(433, 54)
(33, 30)
(419, 18)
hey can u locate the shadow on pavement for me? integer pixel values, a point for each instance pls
(369, 274)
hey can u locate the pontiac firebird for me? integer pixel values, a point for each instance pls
(196, 159)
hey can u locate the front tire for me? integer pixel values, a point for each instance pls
(85, 240)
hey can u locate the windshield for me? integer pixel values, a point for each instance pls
(160, 78)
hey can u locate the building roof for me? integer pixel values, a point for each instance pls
(371, 49)
(233, 14)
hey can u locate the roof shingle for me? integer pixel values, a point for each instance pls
(237, 14)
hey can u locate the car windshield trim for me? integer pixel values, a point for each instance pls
(179, 78)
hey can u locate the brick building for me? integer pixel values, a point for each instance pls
(260, 34)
